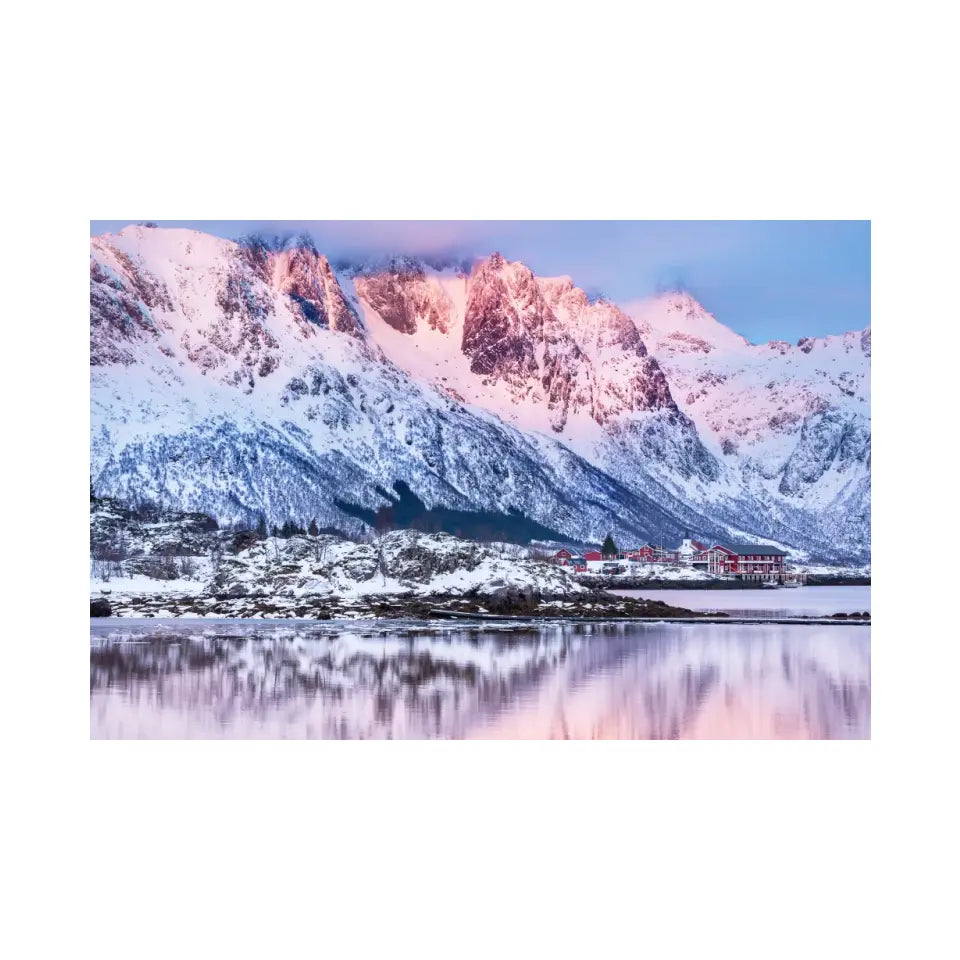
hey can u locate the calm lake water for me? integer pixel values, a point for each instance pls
(297, 679)
(765, 602)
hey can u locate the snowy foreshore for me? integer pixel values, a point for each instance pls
(181, 566)
(187, 557)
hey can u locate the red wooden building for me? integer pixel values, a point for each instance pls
(750, 561)
(567, 558)
(745, 561)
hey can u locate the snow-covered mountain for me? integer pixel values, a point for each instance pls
(791, 420)
(240, 380)
(771, 439)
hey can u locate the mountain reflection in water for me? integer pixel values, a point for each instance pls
(177, 679)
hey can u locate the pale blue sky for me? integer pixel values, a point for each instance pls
(776, 279)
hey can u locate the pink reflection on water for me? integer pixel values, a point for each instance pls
(626, 681)
(704, 683)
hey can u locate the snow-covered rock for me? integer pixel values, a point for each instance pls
(397, 562)
(163, 552)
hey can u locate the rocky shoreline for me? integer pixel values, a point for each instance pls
(641, 583)
(504, 603)
(510, 604)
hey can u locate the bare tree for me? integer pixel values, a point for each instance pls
(381, 556)
(319, 547)
(507, 550)
(108, 555)
(273, 551)
(539, 554)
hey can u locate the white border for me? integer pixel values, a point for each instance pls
(686, 111)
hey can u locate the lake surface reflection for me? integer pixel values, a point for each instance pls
(214, 679)
(782, 602)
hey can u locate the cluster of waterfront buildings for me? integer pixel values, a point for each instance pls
(739, 561)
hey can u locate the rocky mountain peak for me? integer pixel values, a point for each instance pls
(561, 292)
(405, 297)
(307, 279)
(504, 318)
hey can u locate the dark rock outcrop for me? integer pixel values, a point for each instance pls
(100, 608)
(510, 600)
